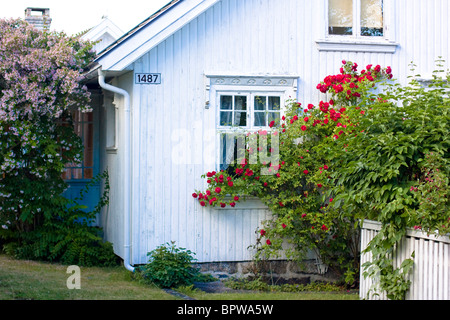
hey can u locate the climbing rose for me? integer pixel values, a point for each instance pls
(218, 190)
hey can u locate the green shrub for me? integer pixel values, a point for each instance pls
(170, 267)
(68, 237)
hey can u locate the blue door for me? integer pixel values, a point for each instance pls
(79, 175)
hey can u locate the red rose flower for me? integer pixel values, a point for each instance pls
(202, 203)
(271, 124)
(268, 242)
(305, 171)
(236, 198)
(262, 232)
(194, 195)
(218, 190)
(230, 183)
(232, 204)
(303, 128)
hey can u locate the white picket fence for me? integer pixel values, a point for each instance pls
(429, 277)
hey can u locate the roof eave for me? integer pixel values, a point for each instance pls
(150, 33)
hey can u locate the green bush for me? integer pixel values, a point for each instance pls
(68, 237)
(170, 267)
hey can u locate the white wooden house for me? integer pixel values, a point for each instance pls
(158, 92)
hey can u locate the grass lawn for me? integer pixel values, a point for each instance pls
(31, 280)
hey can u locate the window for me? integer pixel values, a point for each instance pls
(251, 110)
(356, 18)
(84, 127)
(244, 104)
(248, 111)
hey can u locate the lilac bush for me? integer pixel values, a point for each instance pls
(40, 85)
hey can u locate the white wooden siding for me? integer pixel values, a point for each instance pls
(275, 37)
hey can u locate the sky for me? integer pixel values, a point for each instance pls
(75, 16)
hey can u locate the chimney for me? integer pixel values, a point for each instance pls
(38, 17)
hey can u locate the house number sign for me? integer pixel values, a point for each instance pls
(147, 78)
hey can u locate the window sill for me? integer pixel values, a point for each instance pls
(356, 45)
(244, 204)
(112, 150)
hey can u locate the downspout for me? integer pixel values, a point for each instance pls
(127, 166)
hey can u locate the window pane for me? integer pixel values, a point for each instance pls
(88, 173)
(274, 103)
(226, 118)
(77, 173)
(340, 17)
(84, 127)
(240, 119)
(260, 103)
(260, 119)
(274, 116)
(240, 103)
(372, 18)
(226, 102)
(66, 174)
(227, 150)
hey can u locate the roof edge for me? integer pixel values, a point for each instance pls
(152, 32)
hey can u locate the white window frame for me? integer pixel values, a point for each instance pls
(111, 114)
(356, 28)
(284, 86)
(356, 42)
(250, 111)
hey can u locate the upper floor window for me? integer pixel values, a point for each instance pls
(356, 18)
